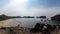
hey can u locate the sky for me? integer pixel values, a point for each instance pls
(30, 7)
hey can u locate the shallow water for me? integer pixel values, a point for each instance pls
(29, 22)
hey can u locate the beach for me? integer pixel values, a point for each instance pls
(5, 23)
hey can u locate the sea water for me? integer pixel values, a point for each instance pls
(30, 22)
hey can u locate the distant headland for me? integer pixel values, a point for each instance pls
(5, 17)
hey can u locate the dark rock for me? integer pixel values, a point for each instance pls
(56, 18)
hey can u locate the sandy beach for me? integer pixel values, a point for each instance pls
(5, 23)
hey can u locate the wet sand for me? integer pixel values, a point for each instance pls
(5, 23)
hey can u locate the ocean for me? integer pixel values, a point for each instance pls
(30, 22)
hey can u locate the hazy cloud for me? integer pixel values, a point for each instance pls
(19, 8)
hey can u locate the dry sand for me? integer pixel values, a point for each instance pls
(5, 23)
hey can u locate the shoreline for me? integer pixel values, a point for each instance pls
(5, 23)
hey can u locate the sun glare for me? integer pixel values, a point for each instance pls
(20, 1)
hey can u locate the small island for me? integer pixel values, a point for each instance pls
(41, 17)
(28, 17)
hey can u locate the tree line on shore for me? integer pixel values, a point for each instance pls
(3, 17)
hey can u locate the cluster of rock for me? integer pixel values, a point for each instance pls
(38, 29)
(15, 30)
(45, 28)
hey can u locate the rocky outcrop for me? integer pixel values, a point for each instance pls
(56, 17)
(21, 30)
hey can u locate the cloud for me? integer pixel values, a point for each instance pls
(14, 8)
